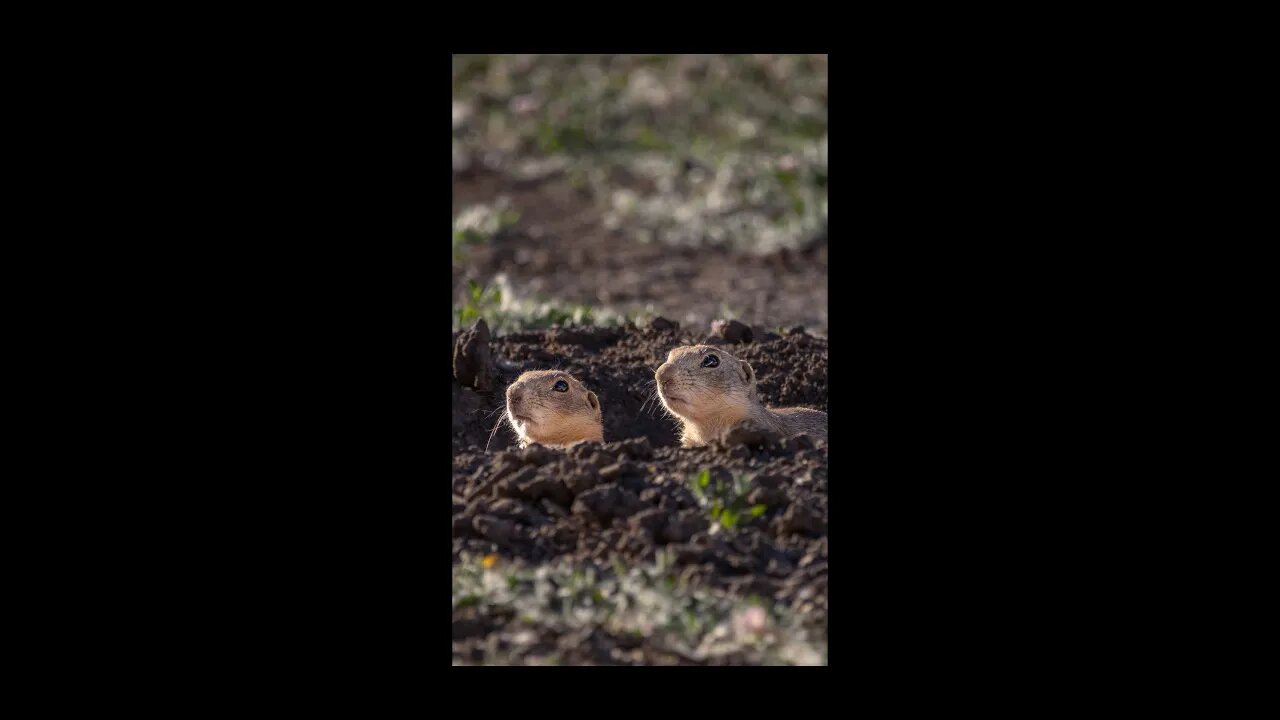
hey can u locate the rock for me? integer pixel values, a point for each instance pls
(750, 434)
(802, 520)
(462, 527)
(582, 480)
(732, 331)
(473, 364)
(637, 448)
(605, 503)
(539, 455)
(508, 509)
(764, 335)
(683, 526)
(662, 324)
(495, 529)
(548, 488)
(769, 497)
(649, 520)
(509, 486)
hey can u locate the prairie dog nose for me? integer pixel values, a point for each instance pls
(664, 371)
(515, 395)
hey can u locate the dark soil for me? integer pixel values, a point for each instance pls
(629, 497)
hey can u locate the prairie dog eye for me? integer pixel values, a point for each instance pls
(710, 361)
(560, 386)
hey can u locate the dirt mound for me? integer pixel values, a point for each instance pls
(625, 499)
(618, 364)
(748, 519)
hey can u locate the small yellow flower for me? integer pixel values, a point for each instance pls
(489, 560)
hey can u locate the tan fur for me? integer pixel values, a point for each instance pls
(708, 401)
(540, 414)
(803, 420)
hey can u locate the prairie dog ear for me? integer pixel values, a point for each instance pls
(746, 373)
(593, 401)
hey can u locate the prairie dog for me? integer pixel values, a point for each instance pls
(550, 407)
(710, 391)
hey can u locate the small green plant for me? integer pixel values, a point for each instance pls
(724, 499)
(502, 311)
(481, 301)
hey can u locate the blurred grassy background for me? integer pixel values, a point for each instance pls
(719, 156)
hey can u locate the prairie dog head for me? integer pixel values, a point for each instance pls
(550, 407)
(707, 388)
